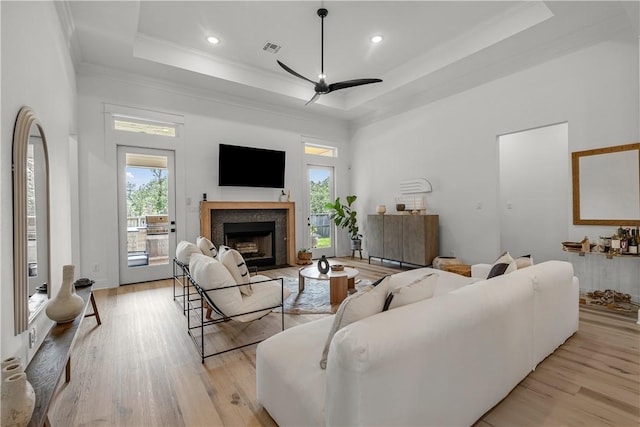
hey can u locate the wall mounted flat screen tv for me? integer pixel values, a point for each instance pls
(250, 167)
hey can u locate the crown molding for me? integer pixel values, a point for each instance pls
(68, 27)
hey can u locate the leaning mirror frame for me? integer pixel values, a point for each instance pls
(578, 215)
(22, 132)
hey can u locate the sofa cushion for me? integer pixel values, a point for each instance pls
(355, 307)
(524, 261)
(210, 274)
(206, 246)
(266, 293)
(184, 250)
(417, 290)
(234, 262)
(503, 265)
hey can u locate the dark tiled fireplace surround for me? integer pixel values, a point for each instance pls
(253, 222)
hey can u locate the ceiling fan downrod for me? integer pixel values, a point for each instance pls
(322, 13)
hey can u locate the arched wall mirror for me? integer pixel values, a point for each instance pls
(606, 185)
(31, 242)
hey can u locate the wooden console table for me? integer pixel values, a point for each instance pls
(53, 357)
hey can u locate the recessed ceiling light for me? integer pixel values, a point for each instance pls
(213, 40)
(376, 39)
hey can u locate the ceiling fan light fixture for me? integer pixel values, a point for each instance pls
(213, 39)
(376, 39)
(322, 76)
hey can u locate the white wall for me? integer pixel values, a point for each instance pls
(207, 122)
(36, 71)
(534, 187)
(452, 142)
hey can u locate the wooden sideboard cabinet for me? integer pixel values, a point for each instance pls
(410, 239)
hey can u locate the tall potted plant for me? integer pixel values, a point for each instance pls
(345, 217)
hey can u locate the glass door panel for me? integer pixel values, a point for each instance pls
(146, 195)
(320, 192)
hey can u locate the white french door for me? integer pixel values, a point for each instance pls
(320, 234)
(146, 213)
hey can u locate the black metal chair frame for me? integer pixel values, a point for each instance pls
(181, 279)
(195, 304)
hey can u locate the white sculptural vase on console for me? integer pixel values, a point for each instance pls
(67, 305)
(18, 397)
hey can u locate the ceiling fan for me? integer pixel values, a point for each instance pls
(321, 86)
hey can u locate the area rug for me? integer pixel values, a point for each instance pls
(315, 297)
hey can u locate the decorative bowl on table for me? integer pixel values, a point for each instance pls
(337, 267)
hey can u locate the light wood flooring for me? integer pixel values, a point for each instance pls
(140, 368)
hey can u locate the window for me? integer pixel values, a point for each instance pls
(320, 150)
(130, 124)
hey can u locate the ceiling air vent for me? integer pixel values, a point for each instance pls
(271, 47)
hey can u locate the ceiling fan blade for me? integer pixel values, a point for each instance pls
(294, 73)
(315, 97)
(351, 83)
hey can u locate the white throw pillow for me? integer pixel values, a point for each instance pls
(223, 249)
(355, 307)
(233, 261)
(503, 265)
(184, 250)
(524, 261)
(417, 290)
(206, 246)
(210, 274)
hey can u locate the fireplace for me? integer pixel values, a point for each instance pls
(254, 240)
(215, 214)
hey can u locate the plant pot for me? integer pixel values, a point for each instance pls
(304, 258)
(356, 244)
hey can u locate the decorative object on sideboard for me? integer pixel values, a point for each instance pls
(413, 193)
(574, 246)
(381, 209)
(400, 206)
(323, 265)
(83, 282)
(204, 197)
(18, 397)
(585, 244)
(66, 305)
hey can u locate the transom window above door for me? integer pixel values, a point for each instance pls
(130, 124)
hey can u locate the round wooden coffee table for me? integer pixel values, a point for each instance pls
(339, 281)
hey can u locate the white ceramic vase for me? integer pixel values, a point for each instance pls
(18, 401)
(10, 366)
(66, 306)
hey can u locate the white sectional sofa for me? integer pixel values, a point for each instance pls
(442, 361)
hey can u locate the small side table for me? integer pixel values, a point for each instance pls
(462, 269)
(339, 281)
